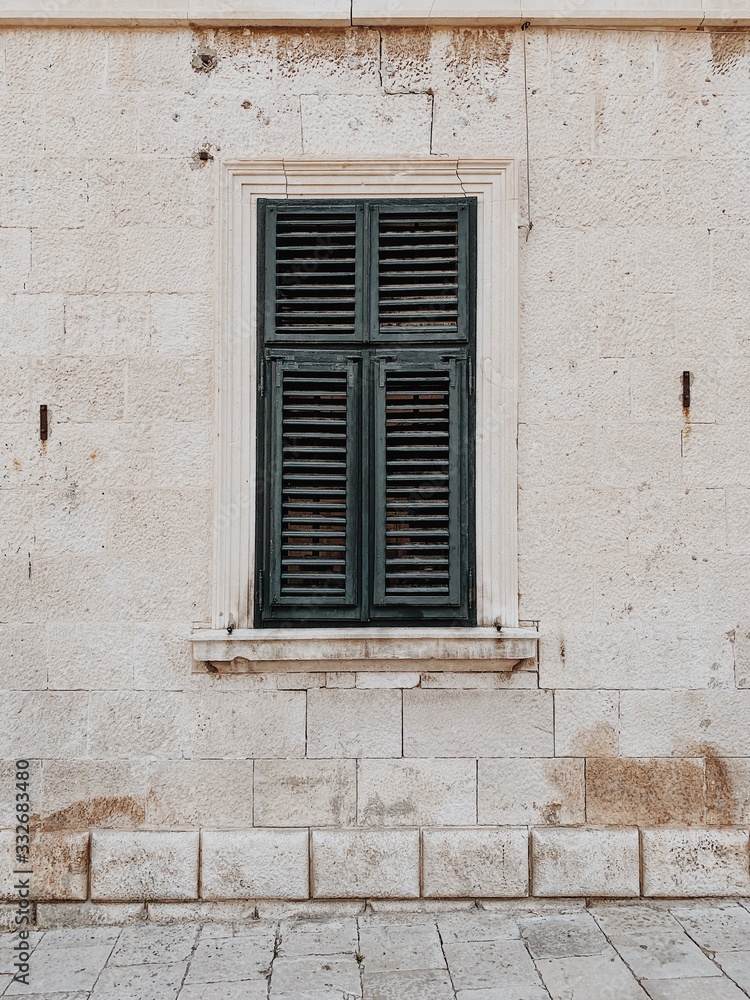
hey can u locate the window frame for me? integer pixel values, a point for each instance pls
(494, 182)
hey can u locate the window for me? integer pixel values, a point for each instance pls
(365, 411)
(248, 631)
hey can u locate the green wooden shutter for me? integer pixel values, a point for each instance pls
(421, 503)
(365, 411)
(312, 481)
(422, 271)
(309, 261)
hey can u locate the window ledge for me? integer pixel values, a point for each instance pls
(432, 649)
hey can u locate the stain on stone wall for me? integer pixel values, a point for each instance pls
(629, 792)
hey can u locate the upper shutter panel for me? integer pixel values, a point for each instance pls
(422, 273)
(421, 477)
(312, 258)
(312, 557)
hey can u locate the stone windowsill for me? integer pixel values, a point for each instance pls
(423, 649)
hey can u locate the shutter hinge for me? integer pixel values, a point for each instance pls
(259, 591)
(262, 378)
(471, 377)
(472, 589)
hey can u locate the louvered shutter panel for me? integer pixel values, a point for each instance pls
(421, 465)
(310, 262)
(421, 271)
(312, 472)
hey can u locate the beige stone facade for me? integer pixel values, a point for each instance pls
(614, 762)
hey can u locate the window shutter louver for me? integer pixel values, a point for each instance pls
(421, 275)
(421, 474)
(311, 263)
(312, 529)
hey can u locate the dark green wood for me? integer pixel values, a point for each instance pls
(282, 352)
(452, 367)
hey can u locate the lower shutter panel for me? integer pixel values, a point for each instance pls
(312, 523)
(421, 472)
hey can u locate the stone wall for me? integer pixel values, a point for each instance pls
(633, 513)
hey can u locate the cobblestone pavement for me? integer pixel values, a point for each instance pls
(697, 950)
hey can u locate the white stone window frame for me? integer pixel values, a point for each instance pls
(497, 642)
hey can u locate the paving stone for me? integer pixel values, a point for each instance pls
(736, 964)
(78, 937)
(565, 936)
(400, 948)
(64, 969)
(591, 977)
(477, 965)
(7, 953)
(477, 925)
(143, 945)
(293, 975)
(254, 989)
(529, 992)
(653, 944)
(318, 937)
(692, 989)
(221, 960)
(716, 928)
(407, 986)
(314, 995)
(52, 996)
(140, 982)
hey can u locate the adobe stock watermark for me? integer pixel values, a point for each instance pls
(22, 872)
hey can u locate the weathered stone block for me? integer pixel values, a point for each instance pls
(587, 723)
(360, 124)
(125, 723)
(352, 723)
(199, 793)
(357, 863)
(685, 723)
(305, 792)
(236, 723)
(270, 864)
(695, 863)
(78, 794)
(34, 325)
(172, 389)
(144, 865)
(67, 915)
(621, 655)
(74, 260)
(416, 792)
(585, 863)
(85, 656)
(514, 791)
(169, 260)
(58, 721)
(15, 260)
(627, 792)
(477, 724)
(189, 123)
(59, 863)
(727, 791)
(475, 862)
(23, 649)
